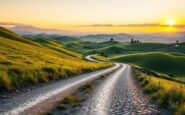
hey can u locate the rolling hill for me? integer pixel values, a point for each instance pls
(172, 64)
(26, 62)
(57, 38)
(57, 47)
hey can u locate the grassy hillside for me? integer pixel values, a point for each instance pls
(58, 38)
(180, 48)
(167, 63)
(24, 62)
(114, 48)
(12, 36)
(110, 50)
(81, 47)
(57, 47)
(144, 46)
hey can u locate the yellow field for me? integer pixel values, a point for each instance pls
(24, 62)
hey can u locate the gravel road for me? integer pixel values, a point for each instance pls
(119, 95)
(21, 103)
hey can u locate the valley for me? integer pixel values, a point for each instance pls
(43, 71)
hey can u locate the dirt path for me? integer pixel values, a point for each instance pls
(119, 95)
(28, 102)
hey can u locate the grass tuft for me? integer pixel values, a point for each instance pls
(5, 81)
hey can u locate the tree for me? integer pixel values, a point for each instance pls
(177, 42)
(132, 40)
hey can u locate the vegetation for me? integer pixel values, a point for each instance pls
(26, 62)
(57, 47)
(166, 63)
(167, 94)
(75, 98)
(99, 57)
(69, 101)
(114, 48)
(57, 38)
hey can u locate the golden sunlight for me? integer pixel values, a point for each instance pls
(171, 22)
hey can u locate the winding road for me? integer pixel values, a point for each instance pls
(35, 101)
(118, 94)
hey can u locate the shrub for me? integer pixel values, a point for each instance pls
(141, 79)
(163, 99)
(14, 71)
(152, 88)
(42, 77)
(29, 78)
(69, 101)
(5, 81)
(7, 63)
(181, 110)
(49, 70)
(87, 87)
(144, 83)
(63, 106)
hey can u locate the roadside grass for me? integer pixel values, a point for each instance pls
(24, 62)
(76, 98)
(70, 101)
(167, 94)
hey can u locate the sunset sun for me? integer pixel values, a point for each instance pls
(170, 22)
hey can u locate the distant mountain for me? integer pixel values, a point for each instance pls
(58, 38)
(161, 37)
(24, 30)
(106, 37)
(36, 32)
(150, 37)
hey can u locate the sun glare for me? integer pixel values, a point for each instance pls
(171, 22)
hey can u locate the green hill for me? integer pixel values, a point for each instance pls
(58, 38)
(26, 62)
(166, 63)
(110, 50)
(144, 46)
(114, 47)
(57, 47)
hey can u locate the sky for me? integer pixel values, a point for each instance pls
(111, 16)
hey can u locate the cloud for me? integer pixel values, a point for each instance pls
(11, 24)
(125, 25)
(132, 25)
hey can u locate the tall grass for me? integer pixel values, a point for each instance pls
(167, 94)
(24, 62)
(5, 81)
